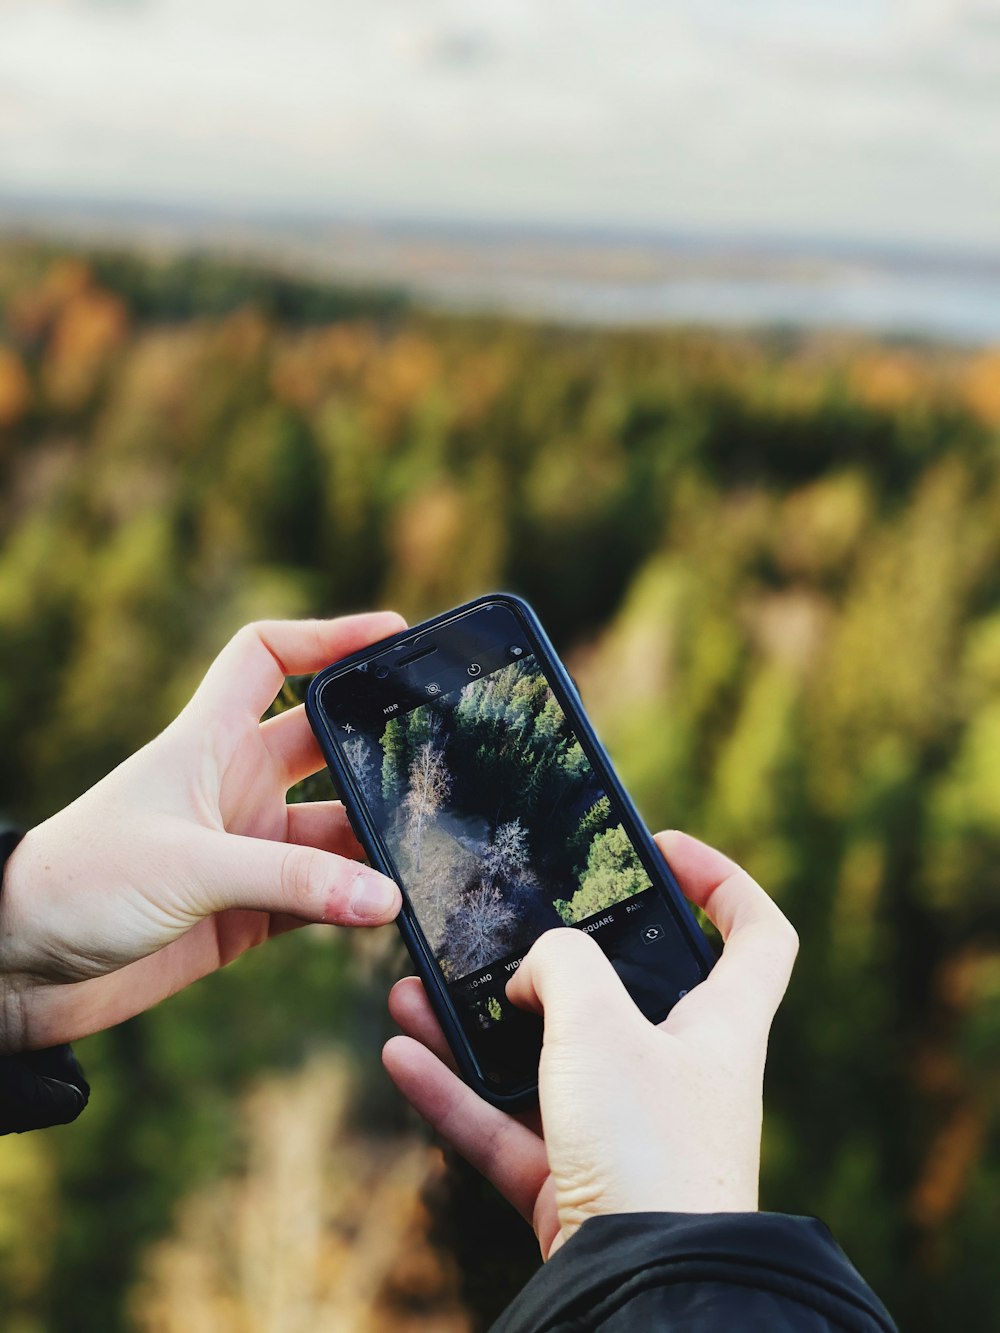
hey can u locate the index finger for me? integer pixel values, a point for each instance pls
(760, 941)
(248, 673)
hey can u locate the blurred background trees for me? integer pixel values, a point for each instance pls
(772, 561)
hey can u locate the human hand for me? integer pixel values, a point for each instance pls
(187, 854)
(637, 1117)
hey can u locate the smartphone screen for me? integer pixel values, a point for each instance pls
(490, 808)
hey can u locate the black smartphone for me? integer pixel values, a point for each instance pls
(473, 778)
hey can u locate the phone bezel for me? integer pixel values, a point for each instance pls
(368, 835)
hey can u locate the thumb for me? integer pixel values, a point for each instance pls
(567, 977)
(302, 881)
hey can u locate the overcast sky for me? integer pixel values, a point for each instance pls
(861, 119)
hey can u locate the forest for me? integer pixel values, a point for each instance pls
(495, 818)
(772, 562)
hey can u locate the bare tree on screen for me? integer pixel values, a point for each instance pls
(478, 930)
(429, 787)
(506, 853)
(359, 756)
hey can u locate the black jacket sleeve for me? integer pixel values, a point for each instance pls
(38, 1088)
(698, 1273)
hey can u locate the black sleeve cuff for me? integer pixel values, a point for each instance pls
(618, 1272)
(38, 1088)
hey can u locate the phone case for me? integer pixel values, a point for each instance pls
(569, 699)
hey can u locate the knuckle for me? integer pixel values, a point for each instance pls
(302, 878)
(789, 938)
(780, 931)
(254, 634)
(247, 633)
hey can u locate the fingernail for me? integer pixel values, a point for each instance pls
(371, 895)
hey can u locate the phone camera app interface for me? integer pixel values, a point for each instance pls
(499, 828)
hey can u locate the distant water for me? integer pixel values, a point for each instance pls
(575, 277)
(959, 307)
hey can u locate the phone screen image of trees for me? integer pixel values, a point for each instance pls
(494, 817)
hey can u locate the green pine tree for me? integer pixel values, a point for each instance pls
(393, 758)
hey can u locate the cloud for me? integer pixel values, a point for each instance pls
(871, 118)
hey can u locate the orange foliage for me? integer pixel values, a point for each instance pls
(954, 1153)
(307, 367)
(344, 348)
(31, 311)
(428, 532)
(65, 280)
(888, 380)
(242, 336)
(161, 367)
(408, 367)
(480, 380)
(981, 387)
(87, 329)
(15, 390)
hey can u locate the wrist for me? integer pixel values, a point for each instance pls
(13, 1027)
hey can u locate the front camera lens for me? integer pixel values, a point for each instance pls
(382, 672)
